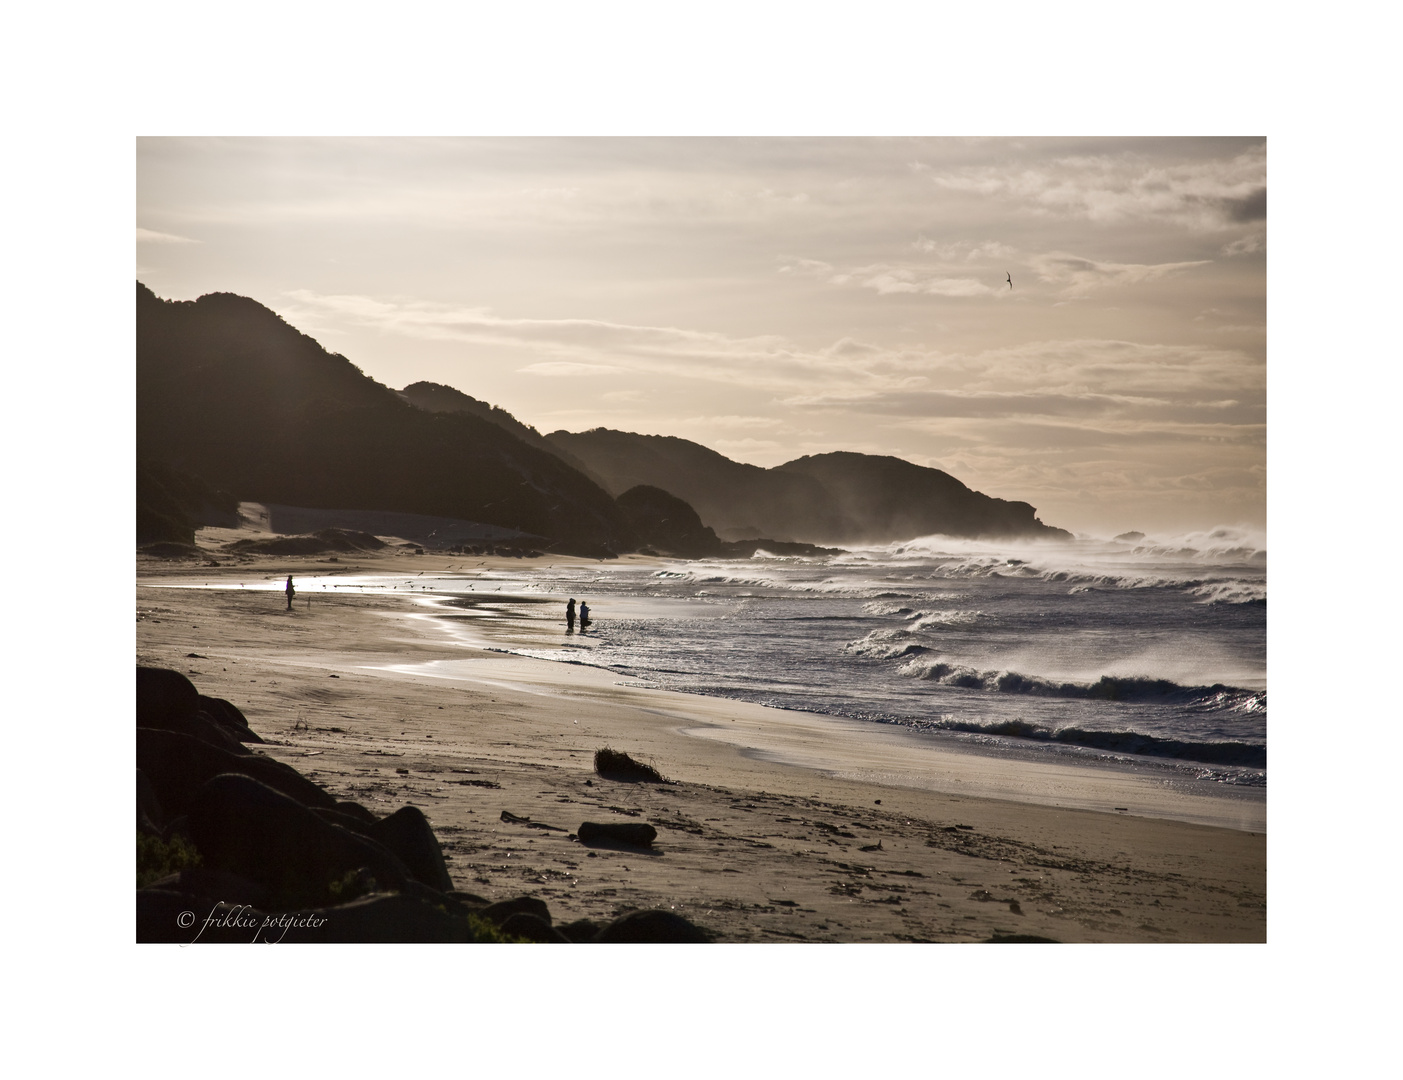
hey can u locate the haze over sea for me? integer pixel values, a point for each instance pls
(1148, 653)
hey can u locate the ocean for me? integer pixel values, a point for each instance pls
(1149, 654)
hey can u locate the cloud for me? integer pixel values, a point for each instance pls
(731, 421)
(151, 236)
(1081, 277)
(964, 252)
(747, 449)
(1200, 195)
(565, 367)
(945, 404)
(1247, 245)
(806, 266)
(888, 279)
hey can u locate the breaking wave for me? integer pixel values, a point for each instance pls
(1108, 688)
(1232, 754)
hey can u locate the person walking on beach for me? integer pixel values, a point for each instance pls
(584, 616)
(570, 616)
(290, 591)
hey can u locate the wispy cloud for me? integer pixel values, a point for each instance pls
(965, 252)
(944, 404)
(731, 421)
(1081, 277)
(151, 236)
(566, 367)
(891, 278)
(1247, 245)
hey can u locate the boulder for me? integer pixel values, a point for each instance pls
(532, 928)
(247, 828)
(229, 717)
(580, 930)
(407, 833)
(214, 887)
(359, 812)
(625, 834)
(346, 821)
(163, 696)
(502, 910)
(389, 919)
(150, 819)
(652, 928)
(199, 725)
(178, 765)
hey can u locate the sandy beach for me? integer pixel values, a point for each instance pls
(775, 826)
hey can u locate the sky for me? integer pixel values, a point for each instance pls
(771, 298)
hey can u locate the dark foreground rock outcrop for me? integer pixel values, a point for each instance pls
(233, 846)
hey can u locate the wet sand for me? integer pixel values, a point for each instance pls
(761, 837)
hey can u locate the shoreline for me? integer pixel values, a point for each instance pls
(757, 840)
(892, 754)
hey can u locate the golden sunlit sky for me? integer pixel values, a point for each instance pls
(775, 297)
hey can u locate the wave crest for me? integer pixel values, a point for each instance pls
(1238, 754)
(1139, 689)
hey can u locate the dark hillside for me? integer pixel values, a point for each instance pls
(737, 500)
(435, 397)
(230, 393)
(886, 498)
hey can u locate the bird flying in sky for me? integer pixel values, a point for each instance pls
(1010, 279)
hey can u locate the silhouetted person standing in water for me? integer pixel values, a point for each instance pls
(584, 616)
(570, 616)
(290, 591)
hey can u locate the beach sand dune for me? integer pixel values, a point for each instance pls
(755, 841)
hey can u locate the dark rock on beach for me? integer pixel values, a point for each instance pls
(178, 764)
(150, 819)
(533, 928)
(164, 697)
(625, 834)
(408, 834)
(229, 717)
(358, 813)
(580, 930)
(167, 700)
(245, 827)
(652, 928)
(215, 886)
(505, 909)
